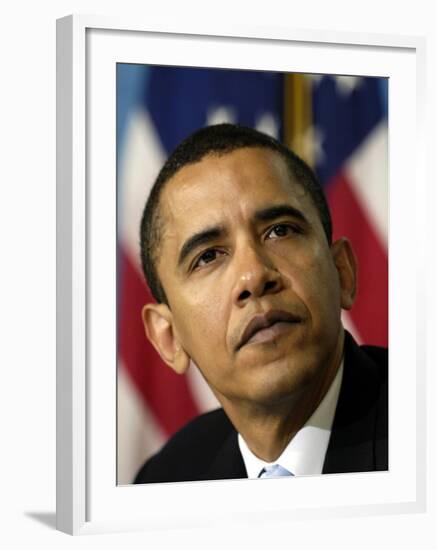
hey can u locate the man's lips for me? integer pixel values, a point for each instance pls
(264, 321)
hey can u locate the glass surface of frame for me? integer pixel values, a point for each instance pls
(337, 123)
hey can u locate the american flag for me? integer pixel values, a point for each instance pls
(338, 124)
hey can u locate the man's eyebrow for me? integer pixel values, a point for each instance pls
(273, 212)
(198, 239)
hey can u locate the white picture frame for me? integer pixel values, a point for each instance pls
(88, 499)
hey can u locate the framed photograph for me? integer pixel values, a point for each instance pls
(127, 94)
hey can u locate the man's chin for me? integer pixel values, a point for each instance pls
(279, 381)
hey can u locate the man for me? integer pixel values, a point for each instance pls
(237, 249)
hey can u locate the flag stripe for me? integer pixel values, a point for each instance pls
(369, 312)
(142, 160)
(167, 394)
(367, 171)
(137, 429)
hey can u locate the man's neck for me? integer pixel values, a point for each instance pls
(268, 429)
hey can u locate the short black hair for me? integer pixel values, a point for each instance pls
(218, 139)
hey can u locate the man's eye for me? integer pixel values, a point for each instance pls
(282, 230)
(206, 257)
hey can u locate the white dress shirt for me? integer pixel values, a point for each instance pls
(305, 454)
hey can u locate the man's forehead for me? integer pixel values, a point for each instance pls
(246, 178)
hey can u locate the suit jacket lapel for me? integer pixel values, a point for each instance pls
(228, 463)
(352, 444)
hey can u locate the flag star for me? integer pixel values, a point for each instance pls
(218, 115)
(347, 84)
(312, 145)
(268, 124)
(315, 78)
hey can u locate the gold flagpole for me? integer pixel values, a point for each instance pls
(298, 116)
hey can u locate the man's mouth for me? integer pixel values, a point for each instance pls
(267, 326)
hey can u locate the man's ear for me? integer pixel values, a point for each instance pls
(159, 327)
(346, 264)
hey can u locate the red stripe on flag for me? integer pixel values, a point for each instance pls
(370, 311)
(166, 393)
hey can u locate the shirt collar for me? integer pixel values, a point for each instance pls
(305, 454)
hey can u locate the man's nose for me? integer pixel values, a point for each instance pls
(256, 276)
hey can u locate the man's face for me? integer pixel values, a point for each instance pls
(253, 289)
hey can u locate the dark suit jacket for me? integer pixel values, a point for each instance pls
(207, 448)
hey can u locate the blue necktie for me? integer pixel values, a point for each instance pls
(276, 470)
